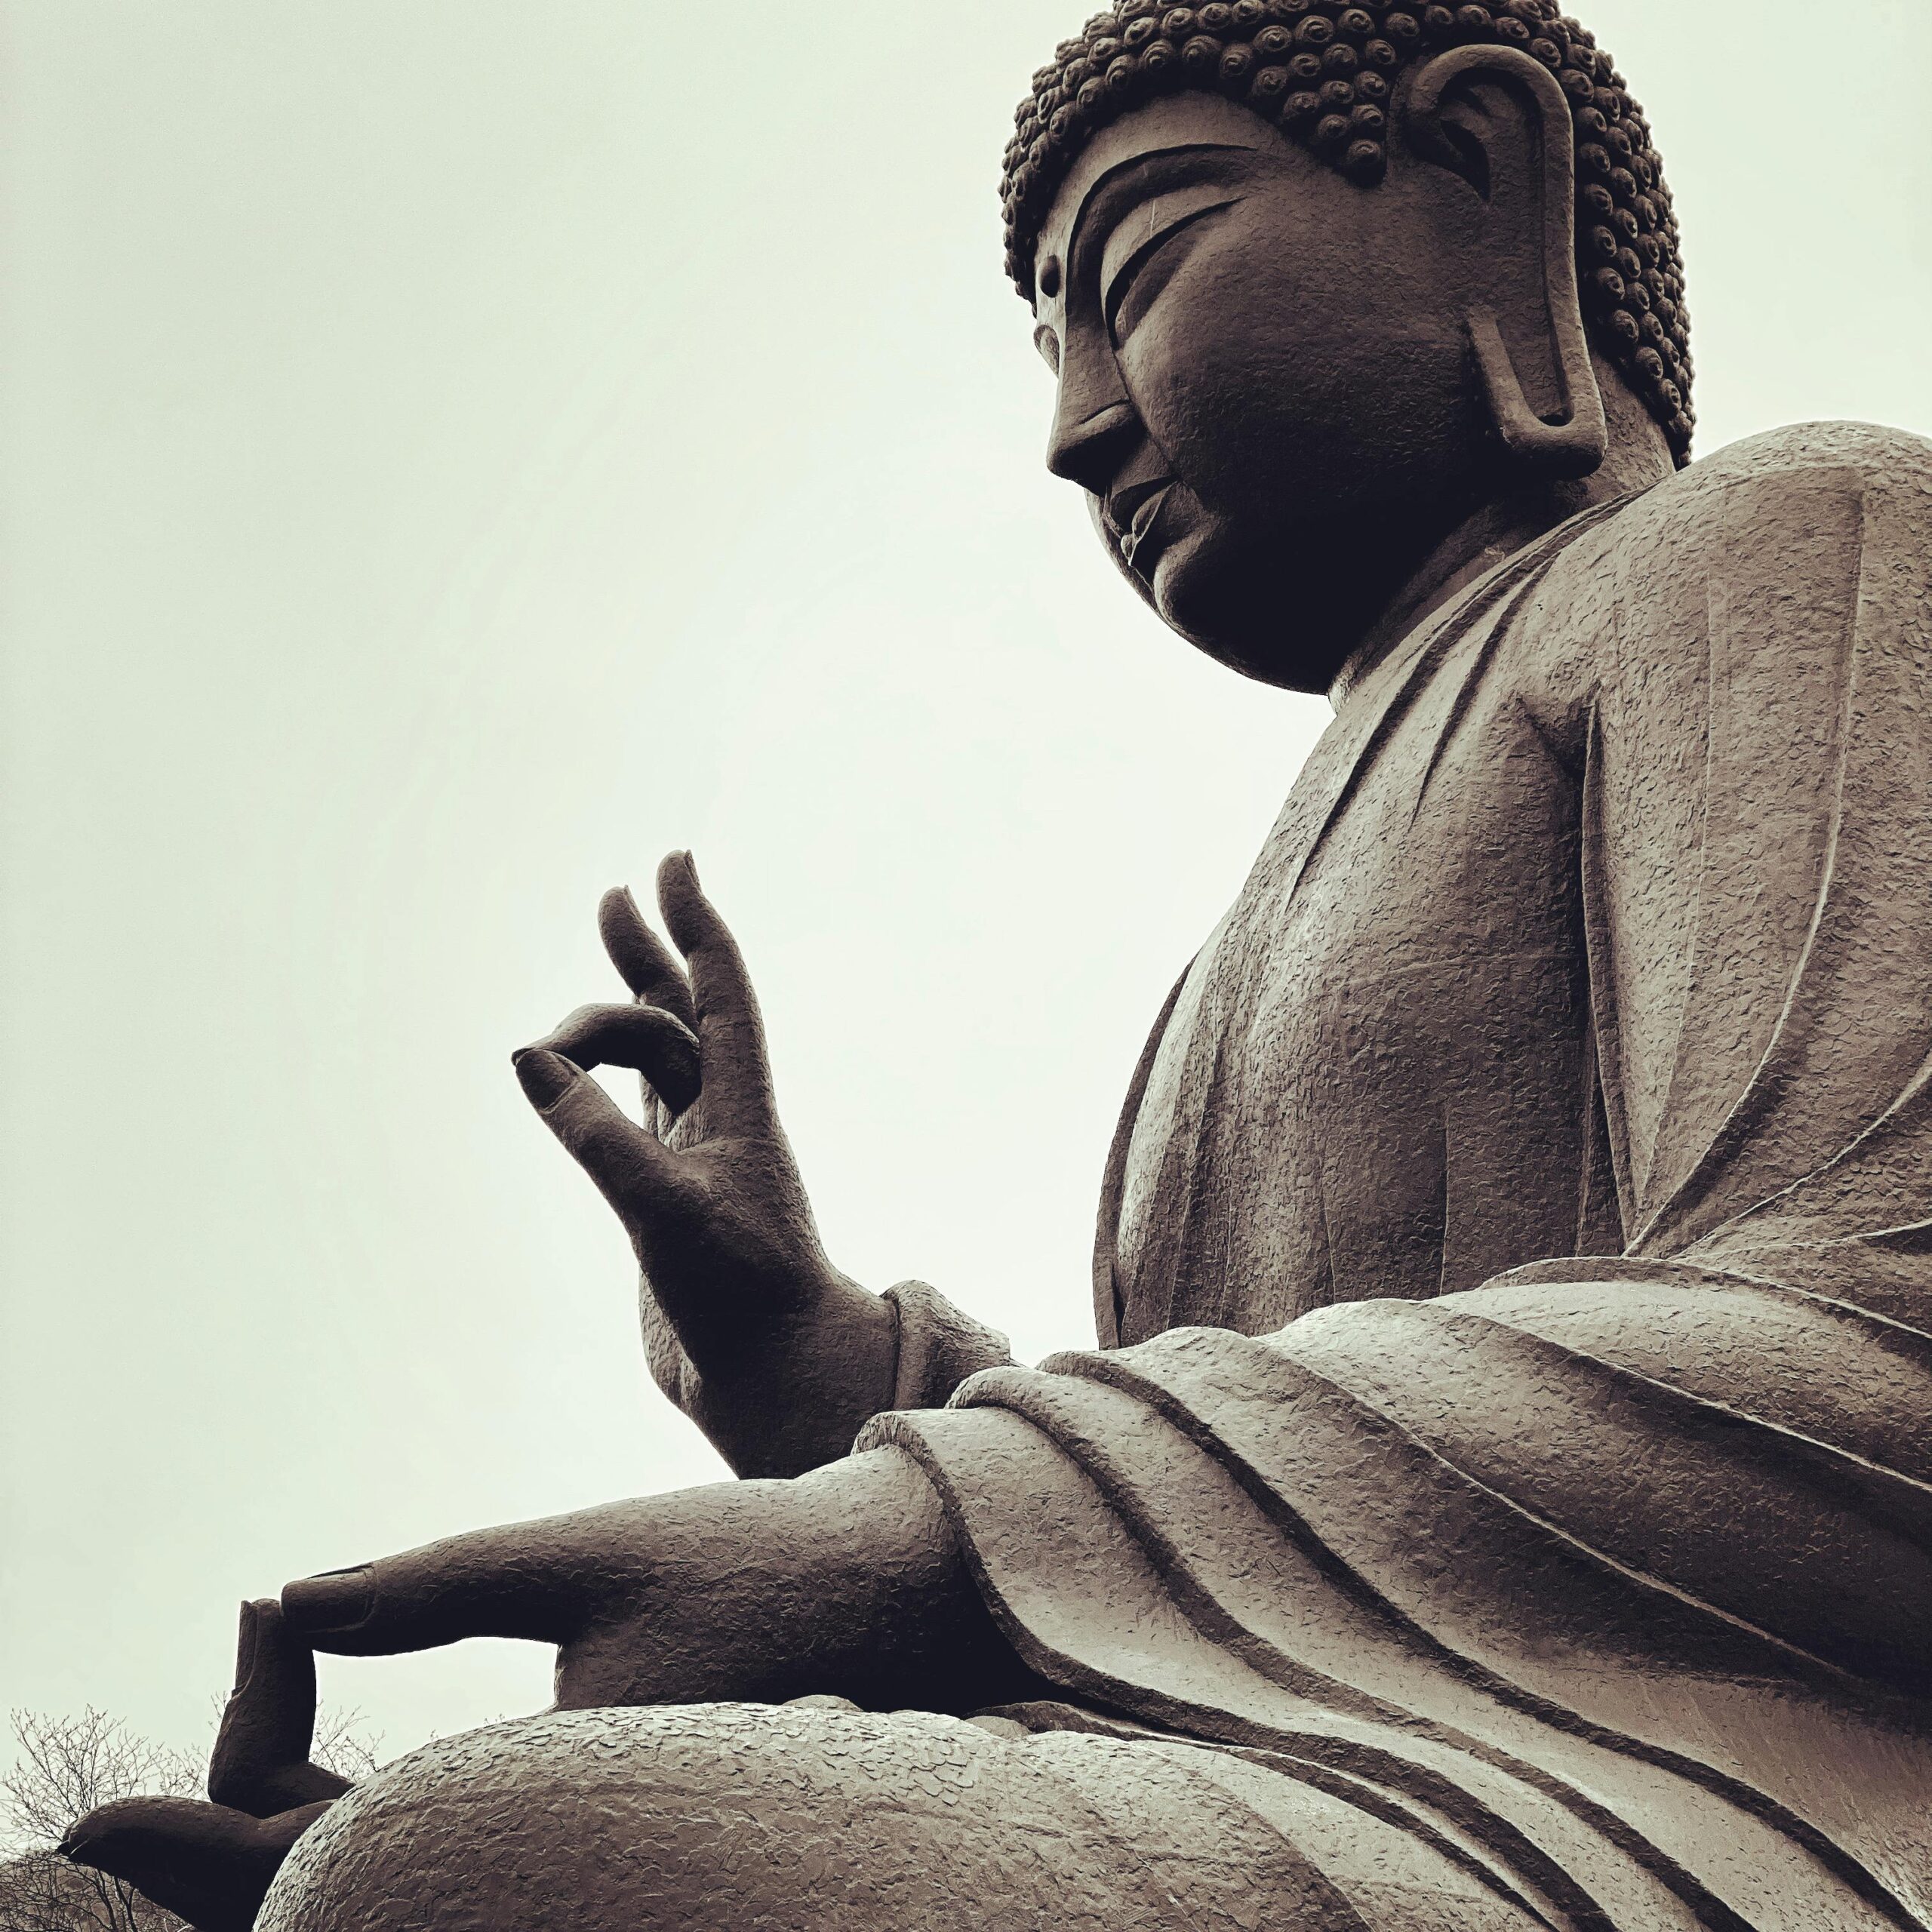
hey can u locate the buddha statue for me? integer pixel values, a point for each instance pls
(1501, 1496)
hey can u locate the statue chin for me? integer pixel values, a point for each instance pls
(1255, 611)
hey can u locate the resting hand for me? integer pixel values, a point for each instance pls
(777, 1355)
(211, 1864)
(848, 1582)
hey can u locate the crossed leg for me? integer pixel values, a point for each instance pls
(708, 1817)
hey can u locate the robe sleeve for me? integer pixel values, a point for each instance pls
(939, 1346)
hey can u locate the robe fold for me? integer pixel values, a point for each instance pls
(1512, 1427)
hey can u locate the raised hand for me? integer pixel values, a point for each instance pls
(777, 1356)
(211, 1864)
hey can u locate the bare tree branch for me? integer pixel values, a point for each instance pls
(65, 1767)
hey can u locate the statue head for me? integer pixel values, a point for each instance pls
(1324, 283)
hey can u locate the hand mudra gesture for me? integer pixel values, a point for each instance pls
(750, 1329)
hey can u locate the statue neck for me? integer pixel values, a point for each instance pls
(1494, 534)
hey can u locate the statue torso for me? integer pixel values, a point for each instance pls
(1376, 1079)
(1594, 809)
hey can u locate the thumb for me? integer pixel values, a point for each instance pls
(207, 1864)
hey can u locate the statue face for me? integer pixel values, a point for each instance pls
(1265, 386)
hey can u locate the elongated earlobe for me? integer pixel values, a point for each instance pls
(1455, 116)
(1575, 444)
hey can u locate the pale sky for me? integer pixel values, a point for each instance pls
(454, 451)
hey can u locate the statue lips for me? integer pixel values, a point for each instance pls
(1130, 512)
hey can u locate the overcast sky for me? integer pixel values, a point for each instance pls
(454, 452)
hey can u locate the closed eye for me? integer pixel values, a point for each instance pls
(1147, 270)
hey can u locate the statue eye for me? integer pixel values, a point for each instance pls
(1131, 290)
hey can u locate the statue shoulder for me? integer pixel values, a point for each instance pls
(1740, 512)
(1737, 512)
(1873, 448)
(1764, 552)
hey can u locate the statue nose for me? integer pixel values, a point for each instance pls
(1089, 450)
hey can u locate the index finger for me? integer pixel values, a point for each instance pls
(542, 1580)
(738, 1073)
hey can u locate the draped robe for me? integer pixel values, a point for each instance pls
(1509, 1431)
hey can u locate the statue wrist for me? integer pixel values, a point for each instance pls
(795, 1392)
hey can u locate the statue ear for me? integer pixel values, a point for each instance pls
(1497, 117)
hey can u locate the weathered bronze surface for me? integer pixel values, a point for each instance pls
(1499, 1498)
